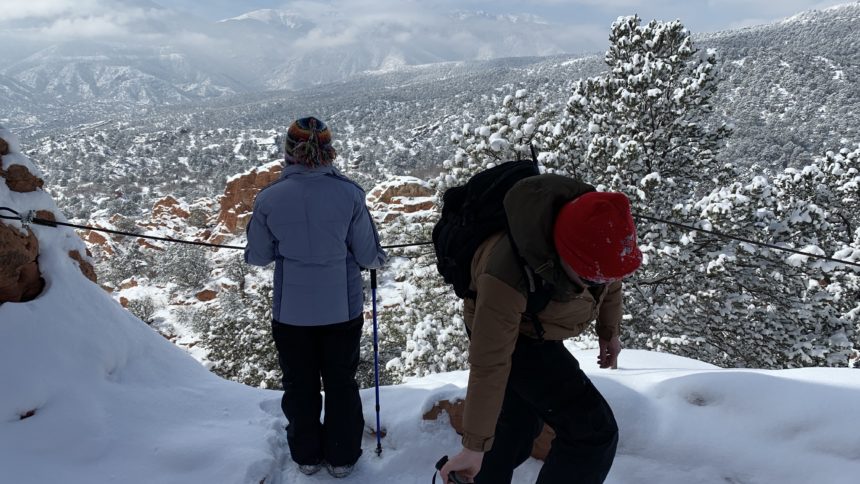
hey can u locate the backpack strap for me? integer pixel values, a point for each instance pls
(539, 291)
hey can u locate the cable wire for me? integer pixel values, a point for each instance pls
(31, 218)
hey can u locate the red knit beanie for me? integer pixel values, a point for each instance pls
(595, 235)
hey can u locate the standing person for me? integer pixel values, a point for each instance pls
(580, 244)
(314, 224)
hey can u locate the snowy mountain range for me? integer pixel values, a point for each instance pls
(162, 63)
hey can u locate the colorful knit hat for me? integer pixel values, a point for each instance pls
(595, 235)
(309, 143)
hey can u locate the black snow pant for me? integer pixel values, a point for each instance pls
(546, 385)
(306, 354)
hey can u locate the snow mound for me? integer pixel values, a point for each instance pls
(89, 393)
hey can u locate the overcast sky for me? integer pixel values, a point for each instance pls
(699, 15)
(582, 25)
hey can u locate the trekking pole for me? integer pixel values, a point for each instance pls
(376, 361)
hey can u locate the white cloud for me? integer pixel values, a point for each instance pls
(133, 22)
(25, 9)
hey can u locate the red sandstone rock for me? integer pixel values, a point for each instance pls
(206, 295)
(95, 238)
(46, 215)
(386, 192)
(20, 279)
(86, 268)
(19, 179)
(146, 245)
(128, 284)
(237, 203)
(169, 207)
(388, 200)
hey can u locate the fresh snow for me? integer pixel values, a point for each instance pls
(89, 393)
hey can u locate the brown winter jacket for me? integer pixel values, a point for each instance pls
(496, 319)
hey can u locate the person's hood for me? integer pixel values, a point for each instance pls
(531, 206)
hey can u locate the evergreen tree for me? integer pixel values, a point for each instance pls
(187, 265)
(782, 310)
(425, 333)
(237, 336)
(521, 122)
(645, 129)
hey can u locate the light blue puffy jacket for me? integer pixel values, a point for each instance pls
(314, 224)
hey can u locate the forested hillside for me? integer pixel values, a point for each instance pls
(751, 132)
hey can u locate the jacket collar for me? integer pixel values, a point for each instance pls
(294, 169)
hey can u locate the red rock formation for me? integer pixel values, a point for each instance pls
(95, 238)
(238, 199)
(128, 284)
(46, 215)
(19, 179)
(206, 295)
(388, 200)
(168, 207)
(400, 195)
(86, 268)
(402, 187)
(146, 245)
(455, 414)
(20, 279)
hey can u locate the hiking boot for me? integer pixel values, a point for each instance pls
(309, 469)
(340, 471)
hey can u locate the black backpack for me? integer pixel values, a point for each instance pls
(473, 212)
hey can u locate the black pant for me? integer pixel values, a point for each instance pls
(547, 385)
(306, 353)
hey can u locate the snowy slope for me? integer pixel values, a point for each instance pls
(111, 400)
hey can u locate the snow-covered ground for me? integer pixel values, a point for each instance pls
(90, 394)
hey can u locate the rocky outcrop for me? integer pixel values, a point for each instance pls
(19, 179)
(388, 200)
(237, 203)
(206, 295)
(168, 207)
(128, 283)
(86, 267)
(454, 409)
(400, 195)
(20, 276)
(95, 238)
(20, 279)
(399, 188)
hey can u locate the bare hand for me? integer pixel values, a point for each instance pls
(466, 464)
(609, 349)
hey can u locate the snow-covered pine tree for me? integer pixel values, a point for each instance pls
(818, 211)
(186, 265)
(781, 310)
(425, 333)
(645, 129)
(522, 120)
(645, 126)
(237, 334)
